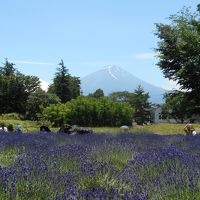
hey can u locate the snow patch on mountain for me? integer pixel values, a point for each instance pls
(109, 67)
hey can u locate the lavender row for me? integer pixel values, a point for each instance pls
(59, 166)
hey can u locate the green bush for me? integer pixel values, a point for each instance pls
(15, 116)
(86, 111)
(10, 128)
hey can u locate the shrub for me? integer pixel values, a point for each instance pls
(86, 111)
(10, 128)
(15, 116)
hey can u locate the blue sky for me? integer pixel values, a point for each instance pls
(86, 34)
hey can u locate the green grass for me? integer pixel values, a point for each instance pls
(27, 125)
(118, 157)
(162, 128)
(8, 156)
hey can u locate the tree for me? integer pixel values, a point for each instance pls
(8, 69)
(142, 106)
(38, 101)
(125, 96)
(97, 94)
(179, 50)
(75, 87)
(15, 88)
(178, 106)
(61, 83)
(64, 85)
(175, 106)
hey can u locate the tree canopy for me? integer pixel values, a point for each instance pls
(139, 101)
(97, 94)
(64, 85)
(37, 101)
(142, 106)
(179, 51)
(15, 88)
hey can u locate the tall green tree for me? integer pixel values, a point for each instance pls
(61, 83)
(75, 87)
(178, 52)
(64, 85)
(142, 106)
(7, 69)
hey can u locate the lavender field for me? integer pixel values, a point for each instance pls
(125, 166)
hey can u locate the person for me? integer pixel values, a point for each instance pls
(18, 128)
(45, 129)
(189, 129)
(3, 128)
(65, 129)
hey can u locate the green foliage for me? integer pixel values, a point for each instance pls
(56, 113)
(179, 50)
(97, 94)
(10, 116)
(8, 69)
(38, 100)
(142, 106)
(10, 128)
(15, 88)
(177, 106)
(8, 156)
(125, 96)
(64, 85)
(44, 123)
(86, 111)
(138, 100)
(27, 125)
(75, 87)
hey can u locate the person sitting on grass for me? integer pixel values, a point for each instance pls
(18, 128)
(189, 129)
(3, 127)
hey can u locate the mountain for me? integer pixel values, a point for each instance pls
(113, 78)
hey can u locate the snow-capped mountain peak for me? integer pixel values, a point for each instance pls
(109, 68)
(114, 71)
(112, 78)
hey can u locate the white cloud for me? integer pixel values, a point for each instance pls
(31, 62)
(171, 85)
(144, 56)
(44, 85)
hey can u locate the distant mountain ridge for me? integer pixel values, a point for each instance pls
(112, 78)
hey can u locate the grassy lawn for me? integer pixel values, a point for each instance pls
(27, 126)
(162, 128)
